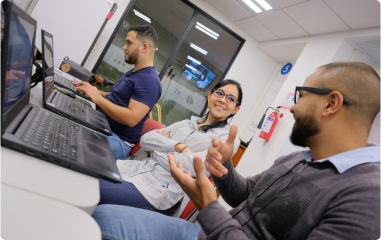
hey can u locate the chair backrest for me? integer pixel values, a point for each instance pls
(150, 125)
(158, 113)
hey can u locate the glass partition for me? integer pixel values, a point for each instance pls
(168, 17)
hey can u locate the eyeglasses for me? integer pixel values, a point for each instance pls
(320, 91)
(229, 98)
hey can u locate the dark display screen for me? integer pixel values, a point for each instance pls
(19, 61)
(198, 74)
(48, 62)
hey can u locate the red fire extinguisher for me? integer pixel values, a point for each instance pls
(270, 123)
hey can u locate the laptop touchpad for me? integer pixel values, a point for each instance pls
(97, 150)
(98, 158)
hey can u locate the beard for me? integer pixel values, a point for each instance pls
(133, 57)
(304, 129)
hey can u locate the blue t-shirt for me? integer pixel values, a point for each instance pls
(143, 86)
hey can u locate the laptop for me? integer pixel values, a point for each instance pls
(36, 131)
(58, 102)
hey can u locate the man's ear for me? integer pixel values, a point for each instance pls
(145, 47)
(334, 103)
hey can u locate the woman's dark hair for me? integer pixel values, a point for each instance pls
(222, 83)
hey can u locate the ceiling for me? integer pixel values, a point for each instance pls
(297, 18)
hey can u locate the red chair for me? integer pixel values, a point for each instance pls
(149, 125)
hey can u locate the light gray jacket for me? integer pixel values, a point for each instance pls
(152, 176)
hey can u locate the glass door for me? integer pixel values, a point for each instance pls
(168, 17)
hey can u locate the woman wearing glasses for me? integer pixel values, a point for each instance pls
(148, 183)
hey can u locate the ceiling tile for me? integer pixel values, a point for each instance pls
(281, 25)
(231, 9)
(284, 3)
(357, 14)
(256, 29)
(315, 17)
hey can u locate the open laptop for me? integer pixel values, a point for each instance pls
(58, 102)
(33, 130)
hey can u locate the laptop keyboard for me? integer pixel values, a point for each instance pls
(70, 106)
(54, 134)
(64, 82)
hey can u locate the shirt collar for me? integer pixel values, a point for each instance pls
(346, 160)
(195, 120)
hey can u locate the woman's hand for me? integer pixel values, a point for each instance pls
(165, 135)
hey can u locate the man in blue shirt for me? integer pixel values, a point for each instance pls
(133, 96)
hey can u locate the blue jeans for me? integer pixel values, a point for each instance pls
(119, 148)
(128, 195)
(125, 223)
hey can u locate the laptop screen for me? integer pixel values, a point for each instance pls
(47, 63)
(19, 60)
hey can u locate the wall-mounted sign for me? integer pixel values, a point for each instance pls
(286, 69)
(289, 101)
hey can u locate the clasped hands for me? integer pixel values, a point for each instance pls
(200, 190)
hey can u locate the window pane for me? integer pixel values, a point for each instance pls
(199, 65)
(168, 17)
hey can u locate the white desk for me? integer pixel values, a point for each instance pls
(40, 199)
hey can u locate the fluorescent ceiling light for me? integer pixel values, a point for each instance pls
(194, 60)
(252, 6)
(142, 16)
(198, 49)
(207, 31)
(264, 4)
(194, 69)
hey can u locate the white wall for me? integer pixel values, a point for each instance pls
(106, 33)
(62, 18)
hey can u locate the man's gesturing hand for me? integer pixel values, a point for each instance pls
(219, 153)
(199, 190)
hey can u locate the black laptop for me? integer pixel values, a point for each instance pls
(33, 130)
(58, 102)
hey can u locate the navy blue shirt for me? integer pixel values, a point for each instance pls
(143, 86)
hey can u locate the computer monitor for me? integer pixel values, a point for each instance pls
(198, 74)
(16, 62)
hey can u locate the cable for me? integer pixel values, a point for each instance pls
(170, 81)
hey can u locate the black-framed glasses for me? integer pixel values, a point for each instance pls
(229, 98)
(320, 91)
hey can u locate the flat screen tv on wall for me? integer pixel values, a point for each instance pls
(198, 74)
